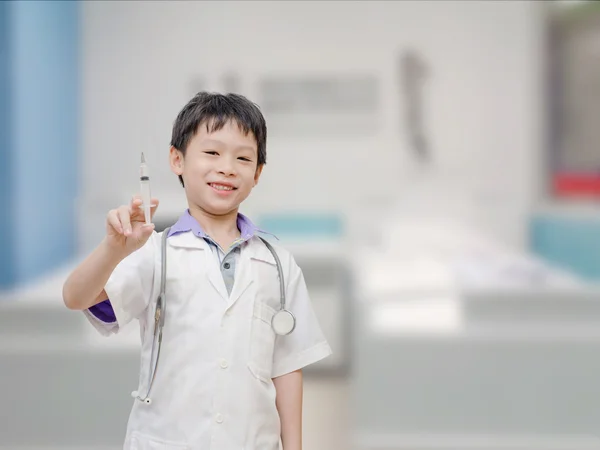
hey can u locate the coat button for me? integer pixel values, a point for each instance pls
(219, 418)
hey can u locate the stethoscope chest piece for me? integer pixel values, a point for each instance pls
(283, 322)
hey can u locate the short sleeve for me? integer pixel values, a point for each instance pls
(306, 345)
(129, 290)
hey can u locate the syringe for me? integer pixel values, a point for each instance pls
(145, 189)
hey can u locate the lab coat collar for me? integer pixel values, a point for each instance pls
(186, 222)
(260, 252)
(187, 232)
(252, 249)
(257, 249)
(186, 240)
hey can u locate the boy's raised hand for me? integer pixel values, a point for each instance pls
(126, 229)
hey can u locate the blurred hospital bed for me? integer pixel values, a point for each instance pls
(464, 345)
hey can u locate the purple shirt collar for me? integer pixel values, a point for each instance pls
(187, 223)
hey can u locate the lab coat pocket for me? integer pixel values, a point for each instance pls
(262, 342)
(140, 441)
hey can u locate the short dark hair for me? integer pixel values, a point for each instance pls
(215, 110)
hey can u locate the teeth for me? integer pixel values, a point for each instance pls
(220, 187)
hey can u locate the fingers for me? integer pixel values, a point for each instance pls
(137, 208)
(147, 230)
(119, 220)
(135, 203)
(153, 206)
(125, 219)
(143, 232)
(114, 221)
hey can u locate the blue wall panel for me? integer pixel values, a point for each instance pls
(6, 247)
(44, 86)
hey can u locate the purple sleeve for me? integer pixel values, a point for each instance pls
(104, 311)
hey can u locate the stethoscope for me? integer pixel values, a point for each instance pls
(283, 322)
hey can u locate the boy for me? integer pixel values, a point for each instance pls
(225, 379)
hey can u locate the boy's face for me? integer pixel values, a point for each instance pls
(219, 169)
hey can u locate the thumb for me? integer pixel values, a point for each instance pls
(145, 232)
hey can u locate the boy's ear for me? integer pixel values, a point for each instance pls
(176, 161)
(257, 174)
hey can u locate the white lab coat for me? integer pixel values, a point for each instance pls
(213, 388)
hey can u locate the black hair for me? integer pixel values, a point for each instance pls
(215, 110)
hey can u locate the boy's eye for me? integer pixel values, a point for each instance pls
(244, 159)
(211, 152)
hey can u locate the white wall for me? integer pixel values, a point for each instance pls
(483, 103)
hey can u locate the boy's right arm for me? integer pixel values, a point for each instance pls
(126, 233)
(85, 286)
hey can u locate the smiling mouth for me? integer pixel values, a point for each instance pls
(221, 187)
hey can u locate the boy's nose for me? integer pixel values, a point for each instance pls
(226, 168)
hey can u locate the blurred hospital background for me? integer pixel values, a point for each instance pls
(433, 165)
